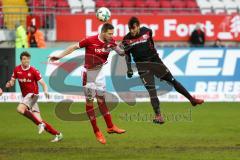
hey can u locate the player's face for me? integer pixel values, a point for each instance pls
(25, 61)
(108, 35)
(134, 30)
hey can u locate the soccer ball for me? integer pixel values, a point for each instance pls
(103, 14)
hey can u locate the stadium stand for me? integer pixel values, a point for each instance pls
(150, 6)
(75, 6)
(10, 19)
(47, 10)
(218, 6)
(88, 5)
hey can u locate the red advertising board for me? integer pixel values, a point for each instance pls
(164, 27)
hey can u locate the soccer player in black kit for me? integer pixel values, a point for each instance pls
(139, 43)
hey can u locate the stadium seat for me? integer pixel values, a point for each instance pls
(179, 6)
(140, 4)
(152, 4)
(191, 4)
(101, 3)
(165, 4)
(50, 3)
(88, 5)
(75, 6)
(218, 6)
(205, 6)
(115, 4)
(230, 6)
(238, 4)
(129, 4)
(62, 3)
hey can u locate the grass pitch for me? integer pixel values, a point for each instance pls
(210, 131)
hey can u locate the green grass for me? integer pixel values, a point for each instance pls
(210, 131)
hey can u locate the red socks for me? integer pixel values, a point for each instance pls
(50, 129)
(31, 116)
(104, 110)
(92, 117)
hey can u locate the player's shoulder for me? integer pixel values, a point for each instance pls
(94, 37)
(145, 29)
(17, 68)
(127, 36)
(32, 68)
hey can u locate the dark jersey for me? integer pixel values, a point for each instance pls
(141, 46)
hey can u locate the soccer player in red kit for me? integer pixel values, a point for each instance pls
(28, 78)
(97, 50)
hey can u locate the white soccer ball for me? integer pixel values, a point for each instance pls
(103, 14)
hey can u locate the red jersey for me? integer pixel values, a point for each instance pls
(96, 52)
(28, 79)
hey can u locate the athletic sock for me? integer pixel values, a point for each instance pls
(154, 99)
(156, 105)
(50, 129)
(179, 88)
(31, 116)
(104, 111)
(92, 117)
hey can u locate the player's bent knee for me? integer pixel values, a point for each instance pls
(21, 108)
(100, 99)
(89, 101)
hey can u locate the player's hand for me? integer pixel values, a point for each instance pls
(9, 84)
(53, 58)
(130, 73)
(110, 46)
(121, 45)
(47, 95)
(1, 91)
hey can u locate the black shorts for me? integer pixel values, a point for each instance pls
(148, 69)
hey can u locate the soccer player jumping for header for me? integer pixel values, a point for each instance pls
(139, 43)
(97, 49)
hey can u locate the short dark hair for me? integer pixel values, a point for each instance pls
(132, 21)
(106, 27)
(26, 54)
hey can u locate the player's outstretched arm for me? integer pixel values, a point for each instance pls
(68, 51)
(45, 88)
(119, 50)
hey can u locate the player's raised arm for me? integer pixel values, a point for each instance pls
(68, 51)
(119, 51)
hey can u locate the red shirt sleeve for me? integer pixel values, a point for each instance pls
(83, 43)
(37, 74)
(14, 75)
